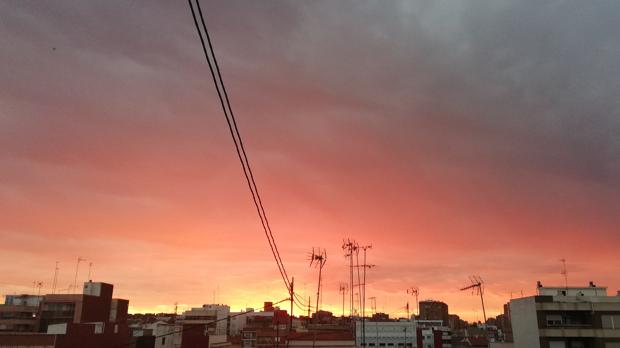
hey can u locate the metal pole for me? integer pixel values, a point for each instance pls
(359, 278)
(364, 303)
(351, 287)
(54, 283)
(318, 292)
(343, 291)
(77, 266)
(290, 325)
(90, 268)
(484, 313)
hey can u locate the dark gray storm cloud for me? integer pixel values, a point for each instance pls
(495, 119)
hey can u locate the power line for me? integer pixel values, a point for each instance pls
(247, 162)
(238, 142)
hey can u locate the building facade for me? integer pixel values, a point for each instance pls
(434, 310)
(566, 317)
(214, 315)
(74, 320)
(19, 313)
(386, 333)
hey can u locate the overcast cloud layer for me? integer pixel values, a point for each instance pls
(457, 137)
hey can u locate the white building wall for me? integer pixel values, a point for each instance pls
(238, 322)
(573, 291)
(388, 333)
(524, 323)
(92, 289)
(162, 328)
(208, 313)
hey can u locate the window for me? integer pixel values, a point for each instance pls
(557, 344)
(610, 321)
(163, 341)
(554, 320)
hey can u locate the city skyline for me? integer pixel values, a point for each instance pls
(458, 140)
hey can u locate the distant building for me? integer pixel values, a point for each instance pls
(434, 310)
(433, 334)
(238, 320)
(386, 333)
(214, 315)
(437, 337)
(566, 317)
(95, 304)
(78, 320)
(265, 329)
(316, 339)
(19, 313)
(504, 324)
(380, 317)
(164, 334)
(323, 317)
(456, 323)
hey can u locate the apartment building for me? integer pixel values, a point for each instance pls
(19, 313)
(566, 317)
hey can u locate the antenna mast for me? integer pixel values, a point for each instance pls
(318, 258)
(373, 304)
(349, 246)
(90, 269)
(477, 288)
(343, 290)
(363, 293)
(55, 281)
(414, 291)
(77, 267)
(564, 272)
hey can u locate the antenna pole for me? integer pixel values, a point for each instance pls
(77, 267)
(415, 291)
(407, 306)
(55, 281)
(363, 293)
(318, 259)
(477, 285)
(564, 272)
(318, 293)
(343, 291)
(290, 325)
(348, 246)
(90, 268)
(484, 313)
(359, 278)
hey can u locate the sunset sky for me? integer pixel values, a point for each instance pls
(456, 137)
